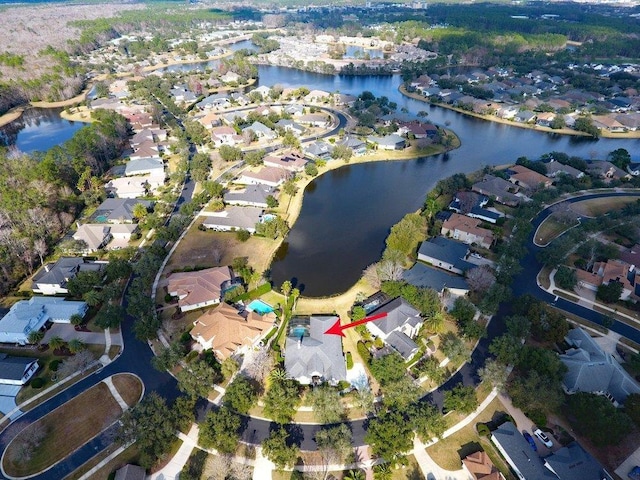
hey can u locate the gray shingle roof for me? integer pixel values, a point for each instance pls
(316, 354)
(574, 463)
(119, 209)
(422, 275)
(402, 344)
(64, 269)
(399, 312)
(590, 369)
(13, 368)
(448, 251)
(237, 217)
(254, 194)
(519, 451)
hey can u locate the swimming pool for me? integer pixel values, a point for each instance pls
(298, 331)
(260, 307)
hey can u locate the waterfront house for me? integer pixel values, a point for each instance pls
(499, 189)
(399, 327)
(270, 176)
(446, 254)
(425, 276)
(467, 230)
(388, 142)
(251, 195)
(292, 162)
(201, 288)
(527, 178)
(234, 218)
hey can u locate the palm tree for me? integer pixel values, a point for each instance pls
(56, 342)
(382, 472)
(295, 293)
(75, 319)
(92, 298)
(286, 290)
(76, 345)
(35, 336)
(278, 374)
(357, 474)
(435, 324)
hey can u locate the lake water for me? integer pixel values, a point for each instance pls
(38, 129)
(346, 214)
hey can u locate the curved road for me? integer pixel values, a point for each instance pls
(137, 355)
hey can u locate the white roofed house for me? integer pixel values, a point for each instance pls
(314, 119)
(225, 136)
(135, 186)
(31, 315)
(317, 96)
(146, 165)
(102, 235)
(234, 218)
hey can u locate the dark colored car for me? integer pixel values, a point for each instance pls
(531, 441)
(634, 474)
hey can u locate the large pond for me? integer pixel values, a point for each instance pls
(38, 129)
(346, 214)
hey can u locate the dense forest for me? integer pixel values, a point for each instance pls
(41, 195)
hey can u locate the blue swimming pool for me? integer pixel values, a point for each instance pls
(260, 307)
(298, 331)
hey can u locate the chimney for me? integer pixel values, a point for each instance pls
(300, 342)
(46, 267)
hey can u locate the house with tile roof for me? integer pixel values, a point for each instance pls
(527, 178)
(311, 357)
(27, 316)
(102, 235)
(617, 271)
(467, 230)
(53, 277)
(398, 327)
(480, 467)
(590, 369)
(200, 289)
(293, 162)
(229, 332)
(270, 176)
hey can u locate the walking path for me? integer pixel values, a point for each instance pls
(116, 394)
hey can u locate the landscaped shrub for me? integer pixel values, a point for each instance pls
(243, 235)
(364, 353)
(191, 355)
(53, 365)
(37, 383)
(185, 337)
(349, 361)
(483, 430)
(167, 298)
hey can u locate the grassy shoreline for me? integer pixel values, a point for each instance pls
(493, 118)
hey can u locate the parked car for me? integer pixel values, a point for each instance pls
(543, 438)
(530, 439)
(634, 474)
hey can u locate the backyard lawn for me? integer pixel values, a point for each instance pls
(39, 445)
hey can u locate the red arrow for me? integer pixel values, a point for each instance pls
(337, 329)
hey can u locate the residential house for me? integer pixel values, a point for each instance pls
(292, 162)
(446, 254)
(201, 288)
(527, 178)
(606, 170)
(388, 142)
(27, 316)
(317, 96)
(357, 146)
(417, 129)
(270, 176)
(229, 332)
(53, 277)
(631, 121)
(118, 210)
(291, 126)
(231, 118)
(472, 205)
(499, 189)
(210, 120)
(135, 186)
(147, 149)
(617, 271)
(225, 136)
(16, 370)
(398, 327)
(634, 169)
(545, 119)
(479, 466)
(525, 116)
(234, 218)
(319, 149)
(572, 462)
(608, 123)
(315, 119)
(311, 357)
(182, 94)
(591, 369)
(143, 166)
(467, 230)
(216, 101)
(230, 77)
(131, 472)
(631, 256)
(141, 137)
(261, 131)
(526, 463)
(295, 110)
(343, 99)
(100, 235)
(421, 275)
(262, 90)
(251, 195)
(556, 168)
